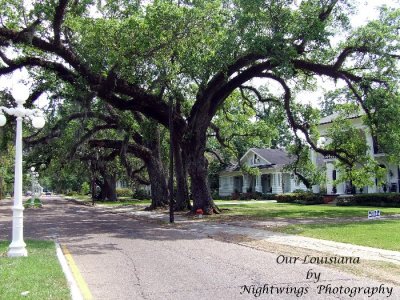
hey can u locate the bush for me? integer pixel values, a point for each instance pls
(124, 192)
(300, 198)
(253, 196)
(85, 188)
(70, 193)
(380, 200)
(141, 195)
(36, 203)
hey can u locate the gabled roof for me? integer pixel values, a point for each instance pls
(330, 118)
(274, 156)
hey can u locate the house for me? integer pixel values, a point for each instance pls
(392, 176)
(272, 177)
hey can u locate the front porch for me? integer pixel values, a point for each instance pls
(266, 183)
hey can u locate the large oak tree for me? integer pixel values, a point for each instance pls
(135, 56)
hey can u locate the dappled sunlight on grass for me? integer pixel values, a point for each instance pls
(125, 202)
(383, 234)
(286, 210)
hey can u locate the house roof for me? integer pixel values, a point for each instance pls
(274, 156)
(330, 118)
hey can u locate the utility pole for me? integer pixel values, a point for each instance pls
(171, 160)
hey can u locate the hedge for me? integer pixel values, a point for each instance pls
(380, 200)
(300, 198)
(124, 192)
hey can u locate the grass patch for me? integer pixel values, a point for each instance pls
(384, 234)
(125, 202)
(37, 203)
(85, 198)
(290, 210)
(40, 273)
(122, 201)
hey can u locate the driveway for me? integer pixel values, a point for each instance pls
(131, 257)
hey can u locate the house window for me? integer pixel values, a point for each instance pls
(334, 175)
(256, 160)
(224, 182)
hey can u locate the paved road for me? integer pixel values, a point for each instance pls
(123, 257)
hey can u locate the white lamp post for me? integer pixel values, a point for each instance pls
(34, 185)
(18, 246)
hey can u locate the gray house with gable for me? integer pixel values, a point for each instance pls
(272, 177)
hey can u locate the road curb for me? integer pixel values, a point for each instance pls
(75, 292)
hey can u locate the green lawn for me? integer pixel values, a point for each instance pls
(37, 203)
(384, 234)
(40, 273)
(122, 202)
(288, 210)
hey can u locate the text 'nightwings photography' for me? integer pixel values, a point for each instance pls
(320, 290)
(315, 284)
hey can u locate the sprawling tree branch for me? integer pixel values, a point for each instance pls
(341, 154)
(58, 19)
(56, 131)
(89, 134)
(138, 150)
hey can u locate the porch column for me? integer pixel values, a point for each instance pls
(329, 180)
(370, 142)
(277, 183)
(315, 189)
(313, 156)
(340, 187)
(292, 183)
(246, 182)
(258, 187)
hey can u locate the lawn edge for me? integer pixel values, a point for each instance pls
(74, 290)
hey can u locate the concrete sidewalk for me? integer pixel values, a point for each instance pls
(240, 227)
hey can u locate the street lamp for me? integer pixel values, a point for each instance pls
(34, 184)
(18, 246)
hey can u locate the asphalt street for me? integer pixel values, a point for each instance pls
(125, 257)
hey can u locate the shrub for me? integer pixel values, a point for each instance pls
(141, 195)
(85, 188)
(268, 197)
(36, 203)
(253, 196)
(380, 200)
(235, 196)
(124, 192)
(300, 198)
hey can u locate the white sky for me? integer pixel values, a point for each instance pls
(367, 10)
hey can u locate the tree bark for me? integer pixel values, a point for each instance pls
(1, 188)
(198, 171)
(155, 169)
(159, 188)
(182, 191)
(108, 188)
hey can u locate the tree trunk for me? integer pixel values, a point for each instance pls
(155, 169)
(198, 167)
(1, 188)
(158, 182)
(108, 189)
(93, 188)
(182, 191)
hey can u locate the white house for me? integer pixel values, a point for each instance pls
(392, 179)
(272, 177)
